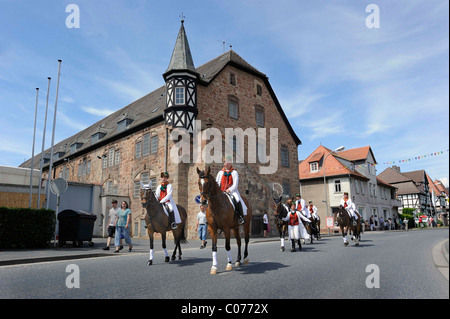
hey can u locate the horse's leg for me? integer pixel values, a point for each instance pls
(247, 239)
(176, 241)
(163, 237)
(213, 233)
(227, 234)
(282, 231)
(150, 259)
(237, 235)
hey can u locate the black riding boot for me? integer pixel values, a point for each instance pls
(299, 245)
(172, 223)
(292, 245)
(240, 213)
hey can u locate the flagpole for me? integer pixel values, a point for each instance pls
(32, 152)
(50, 173)
(43, 145)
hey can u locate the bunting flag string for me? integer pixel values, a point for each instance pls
(415, 158)
(391, 162)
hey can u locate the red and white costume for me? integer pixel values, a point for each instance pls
(164, 195)
(229, 179)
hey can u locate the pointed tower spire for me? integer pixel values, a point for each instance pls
(181, 80)
(181, 56)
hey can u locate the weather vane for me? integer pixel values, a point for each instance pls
(182, 17)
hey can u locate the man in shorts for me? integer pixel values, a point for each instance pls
(112, 219)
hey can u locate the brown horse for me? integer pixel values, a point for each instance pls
(345, 224)
(158, 222)
(221, 215)
(280, 213)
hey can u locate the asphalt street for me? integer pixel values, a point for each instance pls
(325, 269)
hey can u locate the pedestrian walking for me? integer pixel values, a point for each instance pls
(405, 222)
(266, 225)
(111, 223)
(201, 225)
(372, 223)
(122, 226)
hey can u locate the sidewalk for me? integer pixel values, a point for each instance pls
(28, 256)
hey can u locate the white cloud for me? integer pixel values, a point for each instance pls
(97, 112)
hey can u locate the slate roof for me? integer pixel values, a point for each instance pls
(181, 55)
(149, 110)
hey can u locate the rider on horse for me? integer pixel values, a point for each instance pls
(228, 180)
(350, 208)
(164, 195)
(313, 210)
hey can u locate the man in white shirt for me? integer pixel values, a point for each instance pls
(111, 226)
(201, 226)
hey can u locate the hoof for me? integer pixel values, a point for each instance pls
(167, 259)
(246, 261)
(357, 244)
(179, 257)
(237, 264)
(213, 270)
(173, 257)
(346, 244)
(150, 262)
(229, 267)
(282, 248)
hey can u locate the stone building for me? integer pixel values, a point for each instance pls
(135, 143)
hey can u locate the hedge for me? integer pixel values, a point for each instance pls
(26, 228)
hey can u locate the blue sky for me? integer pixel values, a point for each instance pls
(339, 82)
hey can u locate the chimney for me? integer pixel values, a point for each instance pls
(396, 168)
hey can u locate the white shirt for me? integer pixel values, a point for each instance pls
(113, 215)
(265, 219)
(201, 217)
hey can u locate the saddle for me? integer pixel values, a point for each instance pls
(238, 211)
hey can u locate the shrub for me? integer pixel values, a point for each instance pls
(26, 228)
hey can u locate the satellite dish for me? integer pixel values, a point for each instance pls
(58, 186)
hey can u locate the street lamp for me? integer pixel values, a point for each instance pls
(341, 148)
(101, 158)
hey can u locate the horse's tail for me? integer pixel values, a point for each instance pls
(183, 239)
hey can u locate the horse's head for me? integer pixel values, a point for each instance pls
(205, 182)
(147, 195)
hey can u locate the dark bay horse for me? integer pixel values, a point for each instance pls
(158, 222)
(220, 215)
(345, 224)
(280, 213)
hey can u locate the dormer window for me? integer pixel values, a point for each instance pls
(314, 167)
(122, 125)
(75, 146)
(97, 137)
(58, 155)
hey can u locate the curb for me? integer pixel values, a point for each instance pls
(444, 249)
(440, 258)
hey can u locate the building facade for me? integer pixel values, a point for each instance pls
(141, 140)
(413, 189)
(325, 175)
